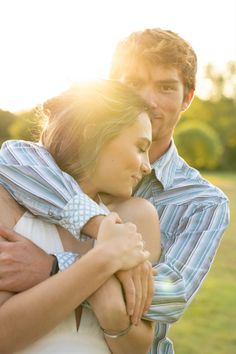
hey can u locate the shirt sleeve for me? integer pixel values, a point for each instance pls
(66, 259)
(32, 177)
(187, 260)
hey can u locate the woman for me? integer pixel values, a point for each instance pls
(103, 143)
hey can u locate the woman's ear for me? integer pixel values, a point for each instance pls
(188, 100)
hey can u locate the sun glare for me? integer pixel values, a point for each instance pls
(57, 53)
(47, 45)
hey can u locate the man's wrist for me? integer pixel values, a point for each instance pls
(55, 267)
(66, 259)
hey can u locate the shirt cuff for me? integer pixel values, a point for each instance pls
(78, 211)
(66, 259)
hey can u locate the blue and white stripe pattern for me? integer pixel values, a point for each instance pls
(193, 216)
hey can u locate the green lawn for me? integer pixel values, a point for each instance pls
(209, 324)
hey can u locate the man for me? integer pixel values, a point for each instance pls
(161, 67)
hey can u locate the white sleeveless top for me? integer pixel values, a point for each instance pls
(64, 339)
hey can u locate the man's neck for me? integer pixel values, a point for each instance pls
(158, 148)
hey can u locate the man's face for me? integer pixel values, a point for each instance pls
(163, 90)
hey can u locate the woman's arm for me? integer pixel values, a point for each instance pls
(108, 301)
(31, 314)
(110, 309)
(138, 283)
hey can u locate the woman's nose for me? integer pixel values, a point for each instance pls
(146, 168)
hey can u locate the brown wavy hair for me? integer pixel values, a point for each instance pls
(155, 47)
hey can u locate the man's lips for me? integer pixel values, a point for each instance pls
(156, 117)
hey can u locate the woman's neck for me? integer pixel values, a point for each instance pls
(90, 190)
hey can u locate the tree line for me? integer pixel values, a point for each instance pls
(205, 135)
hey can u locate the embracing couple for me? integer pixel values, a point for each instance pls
(85, 264)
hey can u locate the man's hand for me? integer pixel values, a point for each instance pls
(22, 263)
(138, 288)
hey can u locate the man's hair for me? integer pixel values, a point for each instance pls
(80, 121)
(155, 47)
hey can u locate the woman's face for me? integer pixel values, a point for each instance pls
(124, 160)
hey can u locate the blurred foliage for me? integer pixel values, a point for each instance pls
(205, 135)
(26, 126)
(222, 83)
(218, 119)
(199, 144)
(6, 120)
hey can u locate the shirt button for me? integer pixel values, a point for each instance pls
(57, 217)
(50, 213)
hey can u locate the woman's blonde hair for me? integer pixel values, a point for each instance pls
(80, 121)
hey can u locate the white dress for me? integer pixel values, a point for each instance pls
(64, 339)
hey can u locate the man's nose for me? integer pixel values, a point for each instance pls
(149, 96)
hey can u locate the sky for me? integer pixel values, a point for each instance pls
(46, 45)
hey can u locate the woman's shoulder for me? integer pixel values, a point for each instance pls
(10, 210)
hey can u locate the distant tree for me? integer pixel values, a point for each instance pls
(25, 127)
(199, 145)
(6, 120)
(218, 112)
(223, 83)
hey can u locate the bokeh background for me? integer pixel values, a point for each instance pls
(46, 45)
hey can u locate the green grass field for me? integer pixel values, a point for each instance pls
(209, 324)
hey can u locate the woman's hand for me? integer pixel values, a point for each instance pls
(123, 241)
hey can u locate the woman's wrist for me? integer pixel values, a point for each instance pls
(113, 318)
(108, 257)
(116, 333)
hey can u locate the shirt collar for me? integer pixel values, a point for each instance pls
(165, 167)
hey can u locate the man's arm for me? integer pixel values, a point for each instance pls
(32, 177)
(187, 260)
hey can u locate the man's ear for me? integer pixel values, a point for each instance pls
(188, 99)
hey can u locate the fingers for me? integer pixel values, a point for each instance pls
(129, 294)
(138, 297)
(9, 235)
(144, 290)
(132, 227)
(114, 218)
(150, 290)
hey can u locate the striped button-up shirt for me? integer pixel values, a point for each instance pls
(193, 216)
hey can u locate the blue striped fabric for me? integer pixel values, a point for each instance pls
(193, 216)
